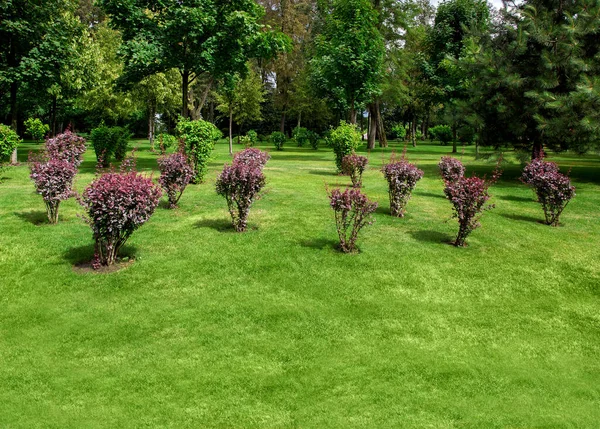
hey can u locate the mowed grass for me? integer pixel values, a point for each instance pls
(274, 328)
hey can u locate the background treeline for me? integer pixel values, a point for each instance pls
(527, 75)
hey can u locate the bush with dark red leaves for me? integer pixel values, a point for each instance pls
(67, 146)
(53, 180)
(451, 169)
(402, 177)
(352, 212)
(117, 204)
(240, 184)
(354, 166)
(553, 189)
(252, 157)
(175, 174)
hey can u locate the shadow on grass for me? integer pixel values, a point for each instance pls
(430, 194)
(322, 173)
(516, 199)
(37, 217)
(320, 244)
(431, 236)
(83, 254)
(522, 218)
(221, 225)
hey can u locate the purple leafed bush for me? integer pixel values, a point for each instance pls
(252, 157)
(175, 174)
(402, 177)
(53, 180)
(354, 166)
(240, 184)
(352, 211)
(553, 189)
(116, 205)
(451, 169)
(67, 146)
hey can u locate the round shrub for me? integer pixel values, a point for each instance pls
(443, 133)
(553, 189)
(313, 139)
(352, 211)
(116, 205)
(344, 140)
(300, 135)
(68, 147)
(166, 141)
(53, 180)
(278, 139)
(252, 157)
(252, 137)
(451, 169)
(175, 174)
(398, 132)
(9, 140)
(35, 128)
(199, 138)
(109, 142)
(354, 166)
(402, 177)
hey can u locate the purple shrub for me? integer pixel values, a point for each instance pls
(53, 180)
(116, 205)
(67, 146)
(354, 166)
(240, 184)
(553, 189)
(352, 211)
(175, 174)
(402, 177)
(252, 157)
(451, 169)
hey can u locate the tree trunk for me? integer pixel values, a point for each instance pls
(454, 143)
(299, 117)
(413, 131)
(185, 83)
(362, 124)
(230, 130)
(282, 125)
(380, 129)
(151, 118)
(352, 113)
(537, 151)
(372, 128)
(14, 87)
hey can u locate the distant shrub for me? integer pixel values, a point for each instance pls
(344, 140)
(9, 140)
(398, 132)
(117, 204)
(109, 142)
(553, 189)
(300, 135)
(251, 138)
(68, 147)
(53, 179)
(451, 169)
(240, 184)
(175, 174)
(443, 133)
(313, 139)
(252, 157)
(199, 138)
(35, 128)
(278, 139)
(352, 212)
(354, 166)
(402, 177)
(166, 141)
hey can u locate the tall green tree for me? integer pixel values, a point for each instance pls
(195, 37)
(349, 53)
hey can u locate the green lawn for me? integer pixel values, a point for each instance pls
(274, 328)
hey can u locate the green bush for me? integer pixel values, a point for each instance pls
(199, 138)
(443, 133)
(300, 134)
(166, 141)
(109, 142)
(344, 140)
(398, 132)
(313, 139)
(278, 139)
(9, 140)
(252, 137)
(36, 128)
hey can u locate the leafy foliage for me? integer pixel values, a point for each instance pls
(398, 131)
(53, 179)
(36, 128)
(402, 177)
(354, 166)
(68, 147)
(278, 139)
(553, 189)
(344, 140)
(110, 142)
(240, 184)
(116, 204)
(352, 212)
(9, 140)
(166, 141)
(300, 135)
(175, 174)
(252, 137)
(443, 133)
(451, 169)
(313, 139)
(199, 139)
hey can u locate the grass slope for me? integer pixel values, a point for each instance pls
(275, 329)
